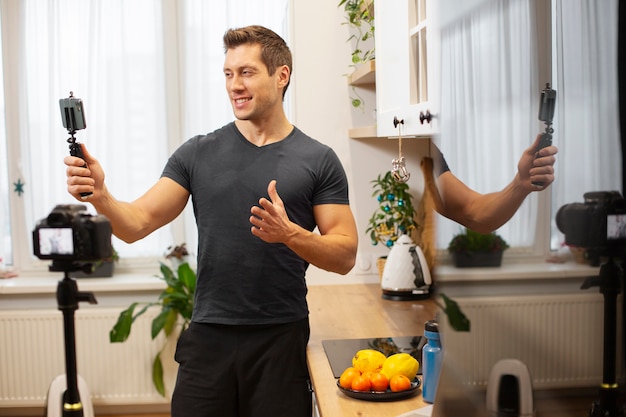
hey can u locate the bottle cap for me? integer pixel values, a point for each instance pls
(432, 326)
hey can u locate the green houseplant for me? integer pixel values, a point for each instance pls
(395, 214)
(176, 303)
(470, 248)
(359, 16)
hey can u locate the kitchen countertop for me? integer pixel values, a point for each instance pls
(358, 311)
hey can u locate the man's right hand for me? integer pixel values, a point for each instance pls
(84, 179)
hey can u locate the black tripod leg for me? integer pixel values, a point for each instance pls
(72, 406)
(608, 402)
(67, 299)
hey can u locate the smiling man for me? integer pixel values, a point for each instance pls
(259, 188)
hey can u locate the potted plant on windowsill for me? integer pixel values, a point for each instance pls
(473, 249)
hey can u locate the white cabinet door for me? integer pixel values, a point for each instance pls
(407, 67)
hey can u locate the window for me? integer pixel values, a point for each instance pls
(148, 80)
(493, 70)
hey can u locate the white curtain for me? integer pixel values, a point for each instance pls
(587, 105)
(110, 53)
(488, 105)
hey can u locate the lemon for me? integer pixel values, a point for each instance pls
(368, 360)
(400, 364)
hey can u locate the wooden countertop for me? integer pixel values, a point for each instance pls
(358, 311)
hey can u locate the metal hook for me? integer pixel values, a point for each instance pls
(399, 171)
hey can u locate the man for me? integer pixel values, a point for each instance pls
(259, 188)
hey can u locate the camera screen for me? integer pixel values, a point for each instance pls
(56, 241)
(615, 226)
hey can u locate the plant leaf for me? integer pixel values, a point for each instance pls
(158, 323)
(121, 330)
(157, 375)
(458, 321)
(187, 277)
(170, 322)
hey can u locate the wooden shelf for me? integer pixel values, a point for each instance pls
(362, 132)
(364, 74)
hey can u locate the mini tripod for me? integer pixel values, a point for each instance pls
(62, 401)
(609, 280)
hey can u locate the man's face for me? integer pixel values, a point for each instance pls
(253, 92)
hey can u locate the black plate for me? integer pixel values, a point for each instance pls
(382, 396)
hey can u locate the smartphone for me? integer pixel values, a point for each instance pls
(72, 113)
(73, 117)
(547, 103)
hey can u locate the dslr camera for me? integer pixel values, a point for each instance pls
(71, 234)
(599, 223)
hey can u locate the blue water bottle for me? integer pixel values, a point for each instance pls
(431, 361)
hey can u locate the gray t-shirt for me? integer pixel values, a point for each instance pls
(242, 279)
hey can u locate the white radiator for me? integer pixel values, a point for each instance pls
(559, 337)
(32, 355)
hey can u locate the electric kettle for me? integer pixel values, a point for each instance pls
(406, 275)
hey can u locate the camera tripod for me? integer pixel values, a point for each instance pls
(609, 280)
(64, 393)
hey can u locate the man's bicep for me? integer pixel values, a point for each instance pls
(455, 195)
(335, 219)
(163, 202)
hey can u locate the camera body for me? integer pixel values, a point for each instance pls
(598, 223)
(70, 233)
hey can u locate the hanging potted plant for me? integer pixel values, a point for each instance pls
(470, 248)
(395, 215)
(359, 15)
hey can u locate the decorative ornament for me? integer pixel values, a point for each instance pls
(19, 187)
(398, 170)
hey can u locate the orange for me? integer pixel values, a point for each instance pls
(399, 383)
(361, 383)
(379, 382)
(347, 376)
(368, 374)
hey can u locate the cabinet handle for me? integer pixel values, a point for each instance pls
(426, 117)
(397, 121)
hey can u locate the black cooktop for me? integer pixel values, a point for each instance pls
(341, 351)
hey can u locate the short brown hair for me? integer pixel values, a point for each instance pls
(274, 50)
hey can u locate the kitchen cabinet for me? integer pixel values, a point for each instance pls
(407, 67)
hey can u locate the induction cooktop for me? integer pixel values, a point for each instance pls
(340, 351)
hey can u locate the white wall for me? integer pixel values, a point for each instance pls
(319, 90)
(322, 109)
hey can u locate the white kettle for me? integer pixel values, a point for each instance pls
(406, 275)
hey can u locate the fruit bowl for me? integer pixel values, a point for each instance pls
(381, 395)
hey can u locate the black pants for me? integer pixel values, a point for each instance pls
(243, 371)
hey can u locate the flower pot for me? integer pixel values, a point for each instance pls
(477, 259)
(104, 270)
